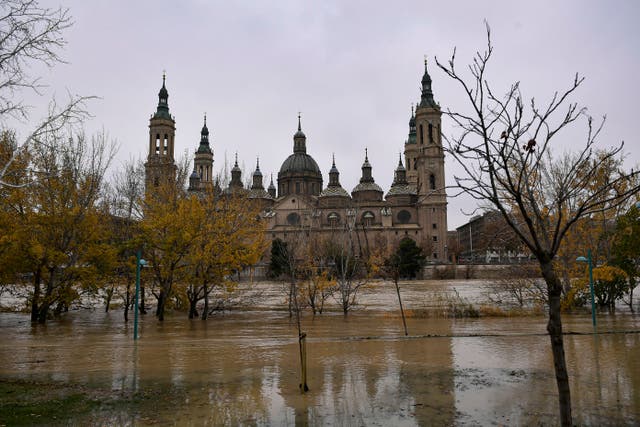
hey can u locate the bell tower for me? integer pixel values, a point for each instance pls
(424, 156)
(160, 166)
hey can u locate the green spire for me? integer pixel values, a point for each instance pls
(162, 111)
(426, 99)
(412, 128)
(204, 138)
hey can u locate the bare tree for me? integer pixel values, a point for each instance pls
(29, 35)
(123, 199)
(350, 267)
(505, 150)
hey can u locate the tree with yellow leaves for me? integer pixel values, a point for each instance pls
(54, 232)
(232, 239)
(172, 225)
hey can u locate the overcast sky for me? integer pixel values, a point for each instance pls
(352, 68)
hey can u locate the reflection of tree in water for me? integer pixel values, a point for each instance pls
(240, 402)
(607, 372)
(426, 378)
(361, 382)
(225, 387)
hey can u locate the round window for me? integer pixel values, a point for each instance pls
(404, 216)
(293, 218)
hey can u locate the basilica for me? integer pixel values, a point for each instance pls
(415, 206)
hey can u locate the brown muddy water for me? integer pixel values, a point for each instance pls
(242, 367)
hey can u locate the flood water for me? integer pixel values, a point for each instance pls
(242, 367)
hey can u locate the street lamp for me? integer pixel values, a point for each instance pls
(593, 303)
(139, 263)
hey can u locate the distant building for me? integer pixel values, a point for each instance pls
(415, 206)
(487, 238)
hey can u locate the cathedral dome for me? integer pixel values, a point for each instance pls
(299, 163)
(334, 191)
(367, 186)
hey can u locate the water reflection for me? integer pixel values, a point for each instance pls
(243, 368)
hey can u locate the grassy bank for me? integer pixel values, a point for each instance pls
(31, 403)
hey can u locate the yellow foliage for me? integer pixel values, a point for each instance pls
(608, 273)
(199, 240)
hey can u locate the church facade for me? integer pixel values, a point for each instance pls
(415, 206)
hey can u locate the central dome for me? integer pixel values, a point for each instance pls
(299, 173)
(299, 163)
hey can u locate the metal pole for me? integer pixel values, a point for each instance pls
(593, 303)
(135, 299)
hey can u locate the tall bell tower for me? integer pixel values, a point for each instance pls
(424, 156)
(160, 166)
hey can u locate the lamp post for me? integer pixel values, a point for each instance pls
(139, 263)
(593, 303)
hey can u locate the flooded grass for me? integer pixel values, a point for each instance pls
(31, 403)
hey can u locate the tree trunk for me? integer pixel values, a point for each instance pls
(554, 328)
(108, 300)
(162, 299)
(127, 303)
(193, 311)
(291, 300)
(43, 310)
(205, 312)
(35, 300)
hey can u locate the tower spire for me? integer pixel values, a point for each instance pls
(272, 188)
(334, 175)
(366, 168)
(163, 100)
(299, 139)
(426, 98)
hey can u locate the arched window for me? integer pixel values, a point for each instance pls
(415, 164)
(157, 143)
(432, 182)
(367, 218)
(166, 144)
(421, 135)
(333, 219)
(430, 133)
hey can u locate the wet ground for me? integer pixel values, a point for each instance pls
(242, 368)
